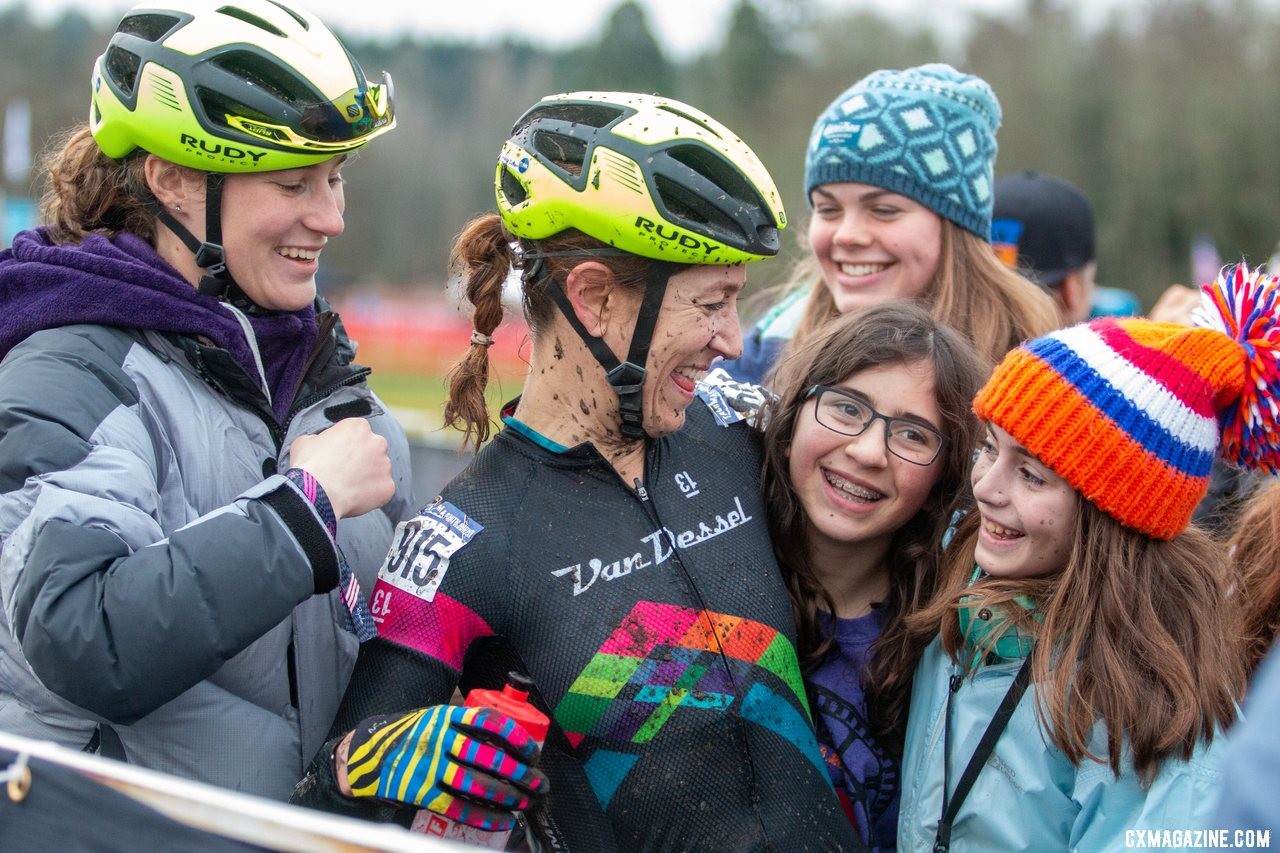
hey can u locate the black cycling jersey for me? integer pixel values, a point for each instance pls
(652, 620)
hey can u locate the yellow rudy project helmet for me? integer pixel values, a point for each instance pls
(648, 176)
(233, 86)
(645, 174)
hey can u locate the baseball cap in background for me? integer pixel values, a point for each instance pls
(1042, 226)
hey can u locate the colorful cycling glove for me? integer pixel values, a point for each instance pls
(472, 765)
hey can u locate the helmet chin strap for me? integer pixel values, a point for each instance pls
(217, 280)
(626, 378)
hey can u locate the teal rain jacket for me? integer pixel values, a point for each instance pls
(1029, 796)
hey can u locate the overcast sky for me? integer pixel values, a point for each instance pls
(683, 26)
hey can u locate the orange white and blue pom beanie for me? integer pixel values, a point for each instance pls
(1132, 412)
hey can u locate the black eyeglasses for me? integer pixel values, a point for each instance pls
(840, 411)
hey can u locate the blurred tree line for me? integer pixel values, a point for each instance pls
(1165, 115)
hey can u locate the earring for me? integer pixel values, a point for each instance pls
(177, 207)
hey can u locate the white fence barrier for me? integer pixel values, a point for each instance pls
(226, 814)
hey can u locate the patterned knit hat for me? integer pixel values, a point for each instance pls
(1132, 412)
(928, 133)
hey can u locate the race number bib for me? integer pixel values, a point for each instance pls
(420, 551)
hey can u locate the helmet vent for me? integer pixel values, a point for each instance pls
(566, 152)
(217, 106)
(513, 189)
(147, 25)
(706, 218)
(122, 69)
(302, 22)
(590, 115)
(266, 75)
(722, 173)
(250, 19)
(702, 123)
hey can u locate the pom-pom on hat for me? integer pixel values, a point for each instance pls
(1132, 412)
(927, 132)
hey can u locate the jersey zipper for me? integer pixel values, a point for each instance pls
(700, 604)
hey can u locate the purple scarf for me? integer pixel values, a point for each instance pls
(123, 282)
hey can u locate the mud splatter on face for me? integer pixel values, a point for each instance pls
(582, 406)
(559, 349)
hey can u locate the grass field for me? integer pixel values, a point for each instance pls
(418, 400)
(410, 343)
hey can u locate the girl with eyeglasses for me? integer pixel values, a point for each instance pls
(867, 453)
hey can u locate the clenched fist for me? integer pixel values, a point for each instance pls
(351, 464)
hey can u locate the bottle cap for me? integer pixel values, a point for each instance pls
(513, 700)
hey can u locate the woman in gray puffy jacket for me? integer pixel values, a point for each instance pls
(195, 480)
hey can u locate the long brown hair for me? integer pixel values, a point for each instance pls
(1135, 632)
(90, 193)
(1255, 550)
(484, 251)
(973, 292)
(895, 332)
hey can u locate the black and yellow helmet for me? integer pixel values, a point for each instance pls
(233, 86)
(646, 175)
(643, 173)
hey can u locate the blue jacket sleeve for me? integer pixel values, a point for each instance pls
(763, 345)
(1181, 797)
(1252, 771)
(758, 355)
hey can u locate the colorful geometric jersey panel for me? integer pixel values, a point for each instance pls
(664, 658)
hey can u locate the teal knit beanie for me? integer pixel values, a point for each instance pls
(928, 133)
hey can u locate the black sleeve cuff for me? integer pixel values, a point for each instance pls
(318, 790)
(307, 528)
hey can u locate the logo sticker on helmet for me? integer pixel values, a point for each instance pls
(521, 165)
(218, 151)
(261, 130)
(674, 235)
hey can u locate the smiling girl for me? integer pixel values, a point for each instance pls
(899, 174)
(867, 453)
(1077, 572)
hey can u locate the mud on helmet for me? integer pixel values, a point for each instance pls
(645, 175)
(231, 87)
